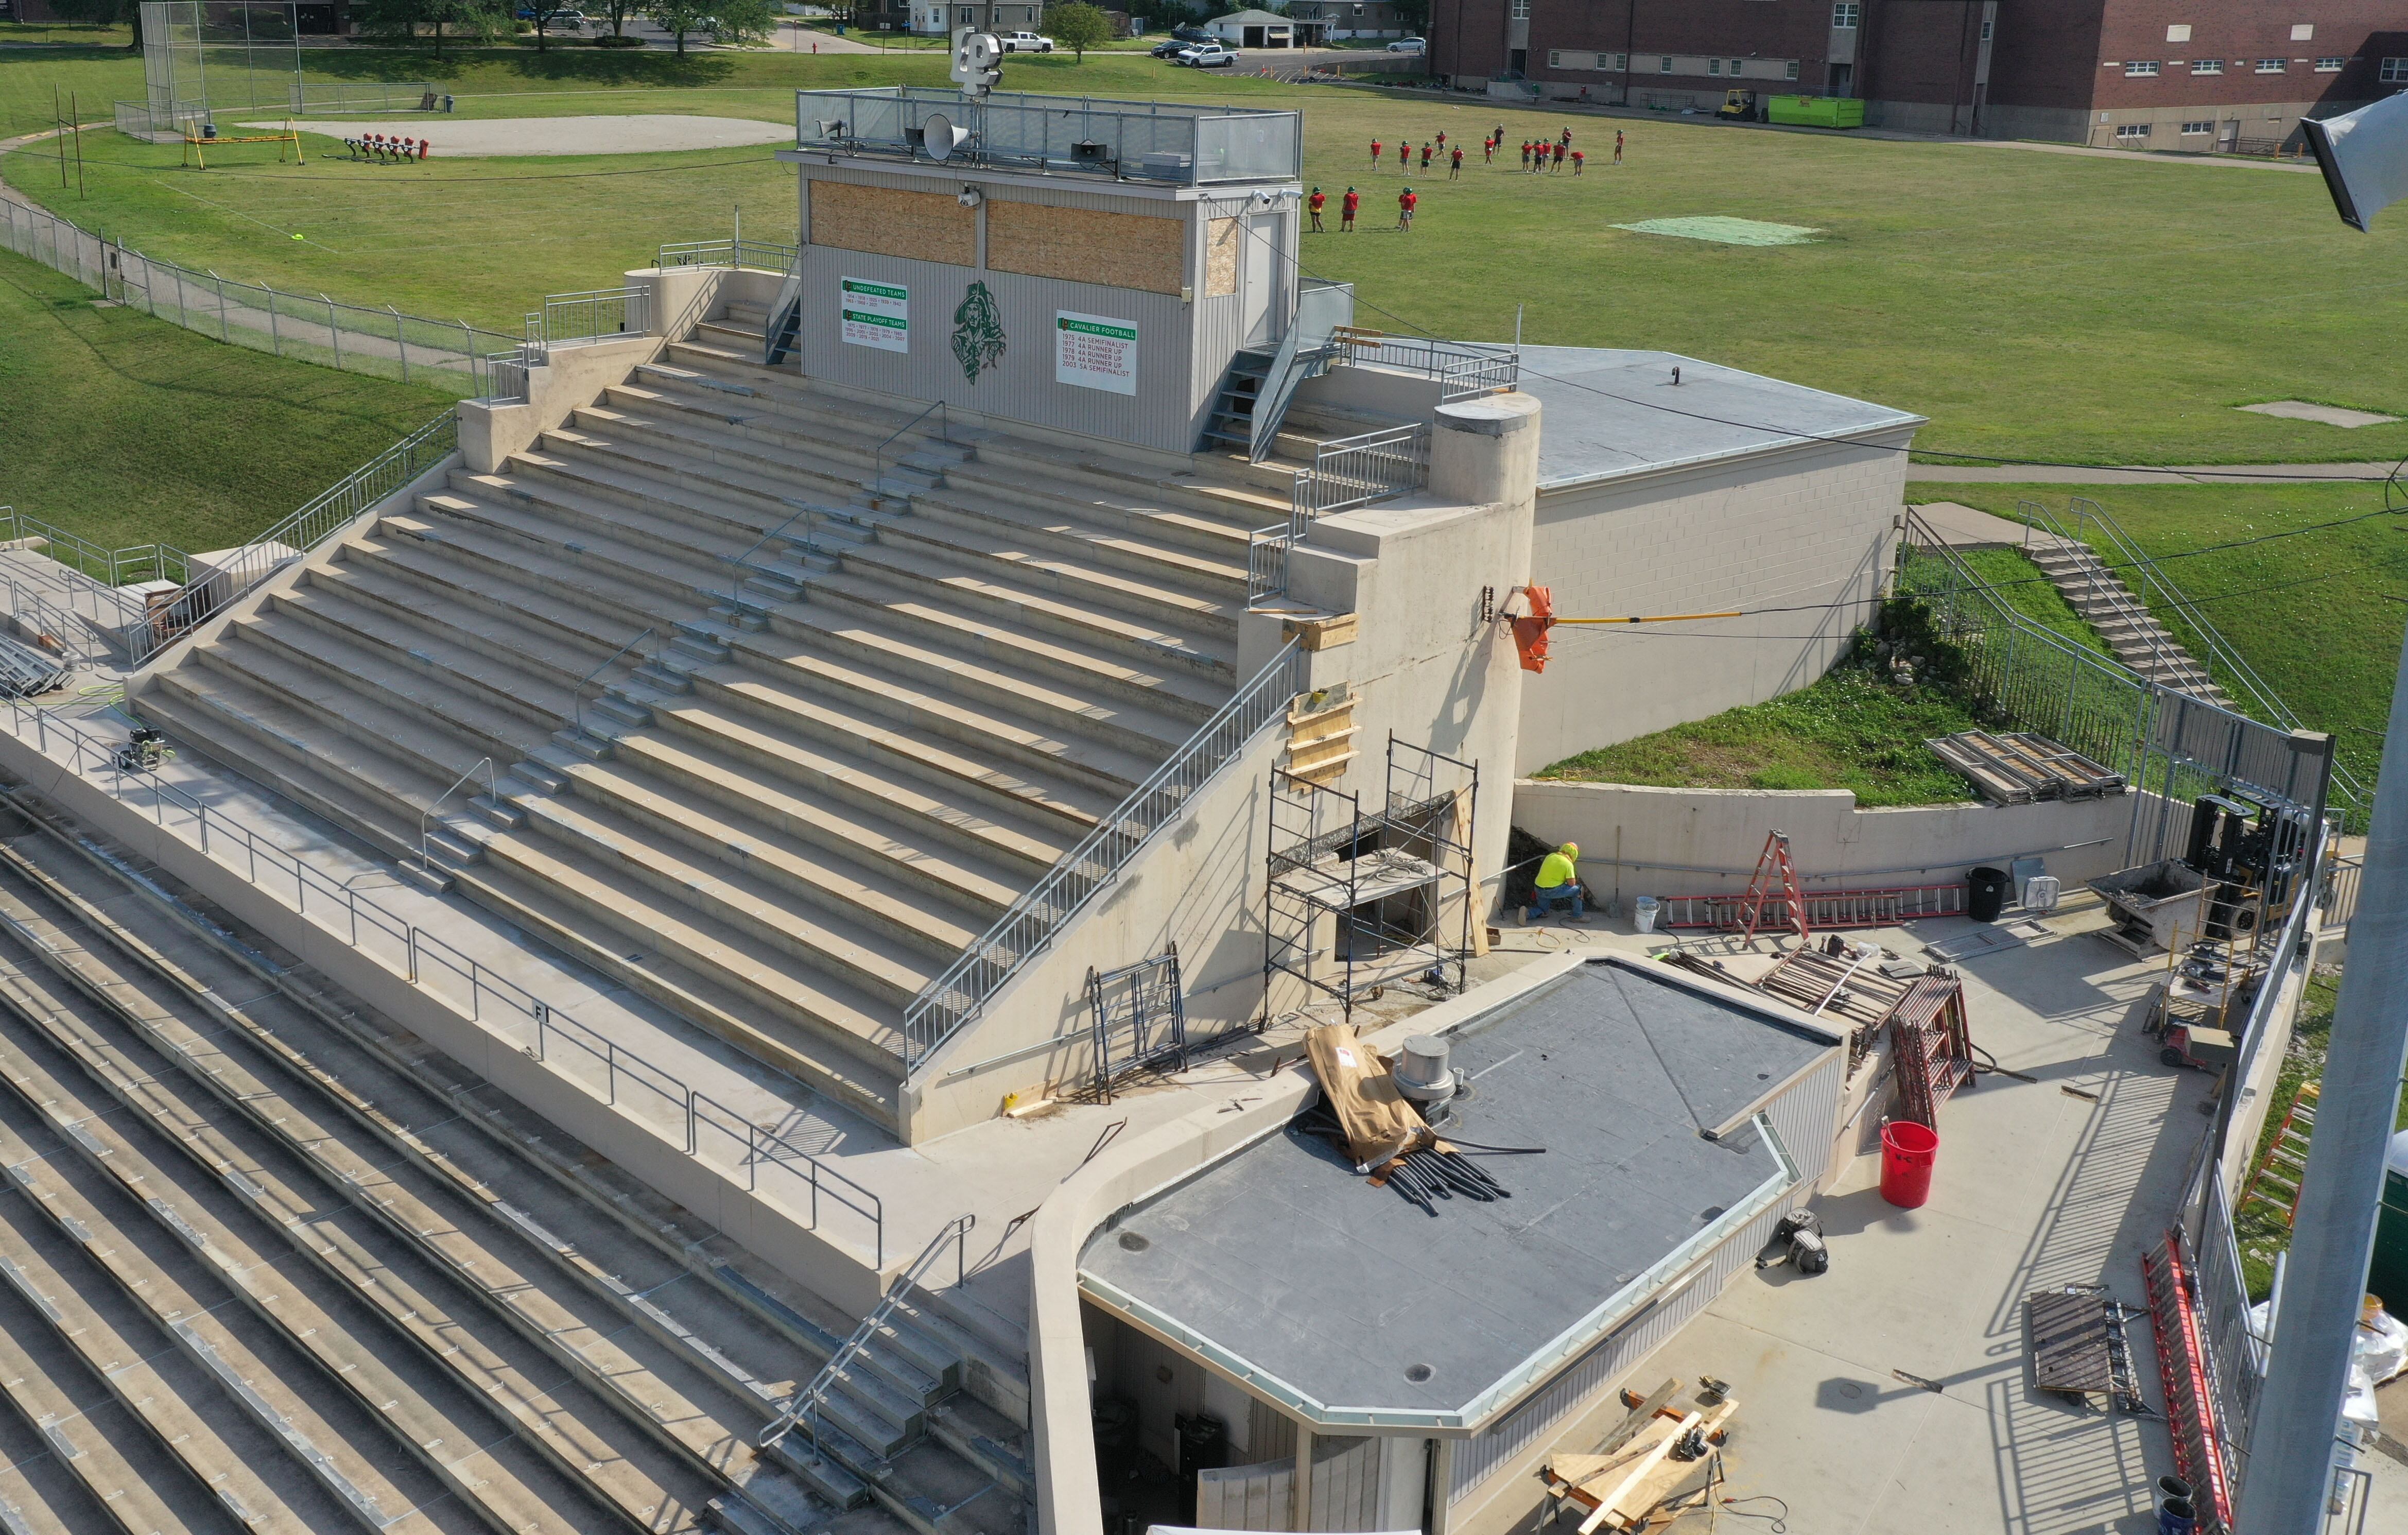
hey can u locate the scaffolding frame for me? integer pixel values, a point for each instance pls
(1379, 881)
(1144, 1006)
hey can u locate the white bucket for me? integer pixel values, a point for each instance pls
(1643, 913)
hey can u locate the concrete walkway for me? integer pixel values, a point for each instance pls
(2139, 474)
(464, 138)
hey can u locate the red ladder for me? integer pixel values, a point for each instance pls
(2190, 1400)
(1771, 865)
(2275, 1180)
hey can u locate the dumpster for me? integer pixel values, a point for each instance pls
(1818, 112)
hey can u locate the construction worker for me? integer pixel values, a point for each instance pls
(1558, 881)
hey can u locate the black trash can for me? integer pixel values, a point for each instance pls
(1985, 894)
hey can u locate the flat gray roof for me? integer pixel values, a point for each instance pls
(1610, 413)
(1289, 1268)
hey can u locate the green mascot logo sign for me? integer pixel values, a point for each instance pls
(978, 333)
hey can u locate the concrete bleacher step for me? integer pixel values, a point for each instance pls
(431, 1419)
(517, 522)
(462, 1276)
(510, 685)
(460, 726)
(747, 502)
(617, 1236)
(1179, 599)
(37, 1490)
(184, 1364)
(432, 574)
(1204, 569)
(677, 429)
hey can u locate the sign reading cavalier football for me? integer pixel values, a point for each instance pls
(1095, 353)
(877, 314)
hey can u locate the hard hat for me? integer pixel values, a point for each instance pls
(1570, 850)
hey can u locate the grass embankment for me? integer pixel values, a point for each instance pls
(1860, 727)
(127, 430)
(1937, 281)
(2317, 614)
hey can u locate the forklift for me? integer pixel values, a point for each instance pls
(1738, 106)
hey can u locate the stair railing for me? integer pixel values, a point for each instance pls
(804, 1405)
(1306, 350)
(944, 433)
(1023, 932)
(587, 681)
(2117, 593)
(426, 816)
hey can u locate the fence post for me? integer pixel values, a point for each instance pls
(401, 341)
(333, 332)
(223, 333)
(275, 336)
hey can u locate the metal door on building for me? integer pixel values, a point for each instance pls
(1260, 278)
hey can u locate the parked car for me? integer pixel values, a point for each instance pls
(1410, 45)
(1212, 56)
(1171, 49)
(1188, 32)
(1026, 42)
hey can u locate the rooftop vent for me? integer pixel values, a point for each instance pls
(1423, 1074)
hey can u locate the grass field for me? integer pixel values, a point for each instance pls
(2319, 615)
(128, 430)
(2041, 304)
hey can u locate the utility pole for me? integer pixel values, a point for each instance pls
(2332, 1236)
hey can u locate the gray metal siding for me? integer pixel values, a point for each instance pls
(1160, 415)
(1804, 1118)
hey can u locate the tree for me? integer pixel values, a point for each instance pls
(723, 20)
(1077, 26)
(441, 19)
(103, 13)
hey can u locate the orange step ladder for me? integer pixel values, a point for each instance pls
(1775, 884)
(2275, 1180)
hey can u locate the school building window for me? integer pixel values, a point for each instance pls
(1520, 10)
(2207, 67)
(2329, 66)
(1844, 13)
(2128, 133)
(2269, 66)
(1664, 64)
(2189, 129)
(1790, 71)
(1735, 63)
(2393, 69)
(2140, 68)
(1714, 67)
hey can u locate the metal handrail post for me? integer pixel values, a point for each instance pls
(577, 696)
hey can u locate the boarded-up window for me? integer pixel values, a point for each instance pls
(1222, 238)
(889, 221)
(1086, 245)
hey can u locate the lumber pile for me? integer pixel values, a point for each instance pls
(2017, 768)
(1662, 1453)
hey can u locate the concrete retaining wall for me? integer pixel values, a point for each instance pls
(1705, 841)
(1794, 528)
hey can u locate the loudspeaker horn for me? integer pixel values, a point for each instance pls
(2364, 156)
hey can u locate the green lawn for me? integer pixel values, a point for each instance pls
(127, 430)
(2052, 306)
(2319, 616)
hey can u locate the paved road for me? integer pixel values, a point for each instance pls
(2202, 474)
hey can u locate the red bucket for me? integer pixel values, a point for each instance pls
(1908, 1150)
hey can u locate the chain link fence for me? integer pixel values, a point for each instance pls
(445, 354)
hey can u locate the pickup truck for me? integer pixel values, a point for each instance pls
(1026, 42)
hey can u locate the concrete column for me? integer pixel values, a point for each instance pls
(1485, 451)
(674, 293)
(1303, 1520)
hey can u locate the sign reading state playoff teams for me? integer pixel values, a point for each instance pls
(877, 314)
(1095, 353)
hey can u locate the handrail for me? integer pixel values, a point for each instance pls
(954, 997)
(878, 462)
(569, 320)
(607, 662)
(707, 1130)
(774, 257)
(806, 1403)
(426, 816)
(741, 562)
(1356, 471)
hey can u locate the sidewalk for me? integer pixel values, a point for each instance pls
(2139, 474)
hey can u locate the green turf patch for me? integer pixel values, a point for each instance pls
(126, 429)
(1725, 231)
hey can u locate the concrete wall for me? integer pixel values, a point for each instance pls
(1668, 837)
(1796, 527)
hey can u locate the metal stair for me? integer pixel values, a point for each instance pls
(1231, 428)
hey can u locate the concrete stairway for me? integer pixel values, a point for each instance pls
(782, 697)
(348, 1290)
(2098, 595)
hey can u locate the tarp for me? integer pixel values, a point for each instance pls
(1379, 1123)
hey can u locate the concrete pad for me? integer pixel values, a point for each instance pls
(1961, 526)
(2331, 415)
(470, 138)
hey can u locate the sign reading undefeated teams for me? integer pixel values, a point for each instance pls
(1095, 353)
(877, 314)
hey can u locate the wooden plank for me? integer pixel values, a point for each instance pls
(1659, 1447)
(1631, 1508)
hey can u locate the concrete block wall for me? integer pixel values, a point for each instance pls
(1803, 525)
(1640, 839)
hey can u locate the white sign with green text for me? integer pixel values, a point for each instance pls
(1095, 353)
(877, 314)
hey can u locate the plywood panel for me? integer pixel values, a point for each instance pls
(886, 222)
(1087, 245)
(1222, 239)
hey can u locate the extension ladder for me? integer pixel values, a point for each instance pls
(2190, 1400)
(1773, 864)
(1825, 909)
(2286, 1162)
